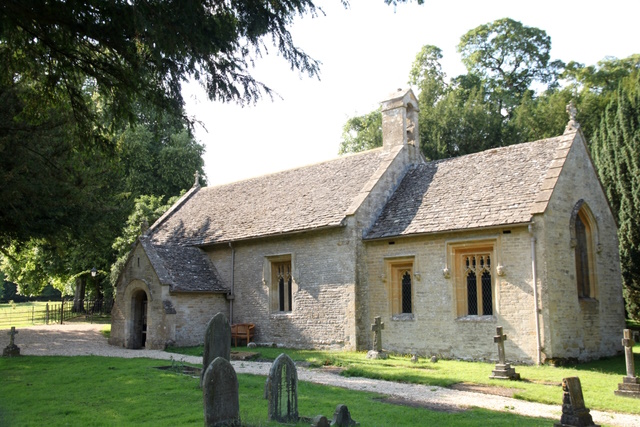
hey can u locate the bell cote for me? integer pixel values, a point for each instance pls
(400, 120)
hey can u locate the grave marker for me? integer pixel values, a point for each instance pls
(630, 385)
(377, 352)
(281, 389)
(342, 417)
(220, 394)
(217, 341)
(574, 412)
(12, 349)
(503, 370)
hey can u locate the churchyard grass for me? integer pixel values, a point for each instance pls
(19, 314)
(97, 391)
(540, 383)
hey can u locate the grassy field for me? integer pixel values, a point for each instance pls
(24, 314)
(99, 391)
(540, 383)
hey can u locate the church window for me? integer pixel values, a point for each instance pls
(401, 285)
(281, 284)
(582, 239)
(475, 293)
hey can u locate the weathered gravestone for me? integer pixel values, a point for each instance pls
(12, 349)
(630, 385)
(342, 417)
(217, 341)
(503, 370)
(281, 389)
(220, 394)
(574, 412)
(377, 352)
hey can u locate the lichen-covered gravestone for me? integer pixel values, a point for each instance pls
(12, 349)
(630, 385)
(217, 341)
(503, 370)
(574, 412)
(281, 389)
(220, 394)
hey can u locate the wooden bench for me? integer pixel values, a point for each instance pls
(242, 331)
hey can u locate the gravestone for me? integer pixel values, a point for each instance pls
(342, 417)
(630, 385)
(281, 389)
(503, 370)
(12, 350)
(220, 394)
(574, 412)
(217, 341)
(377, 352)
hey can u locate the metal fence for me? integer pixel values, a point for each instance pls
(56, 312)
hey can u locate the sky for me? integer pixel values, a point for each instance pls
(366, 52)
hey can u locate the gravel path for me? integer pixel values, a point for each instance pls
(79, 339)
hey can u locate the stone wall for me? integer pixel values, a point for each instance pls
(323, 309)
(573, 327)
(435, 327)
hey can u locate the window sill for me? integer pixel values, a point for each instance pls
(588, 300)
(478, 319)
(403, 317)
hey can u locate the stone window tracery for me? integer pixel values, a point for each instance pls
(279, 271)
(583, 240)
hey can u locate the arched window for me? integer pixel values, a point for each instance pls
(583, 240)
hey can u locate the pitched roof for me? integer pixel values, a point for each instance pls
(183, 268)
(306, 198)
(495, 187)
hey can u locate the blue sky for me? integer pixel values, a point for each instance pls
(366, 53)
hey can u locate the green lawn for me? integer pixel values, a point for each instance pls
(540, 383)
(98, 391)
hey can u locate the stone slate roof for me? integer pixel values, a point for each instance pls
(183, 268)
(495, 187)
(306, 198)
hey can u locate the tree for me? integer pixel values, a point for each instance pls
(362, 133)
(509, 57)
(616, 152)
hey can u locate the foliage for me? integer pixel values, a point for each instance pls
(616, 152)
(147, 396)
(362, 133)
(509, 57)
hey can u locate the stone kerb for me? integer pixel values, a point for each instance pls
(281, 390)
(220, 394)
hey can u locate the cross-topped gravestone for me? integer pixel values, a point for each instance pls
(503, 370)
(281, 389)
(12, 349)
(630, 385)
(220, 394)
(377, 328)
(574, 412)
(217, 341)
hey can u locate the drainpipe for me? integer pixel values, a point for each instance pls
(231, 296)
(535, 295)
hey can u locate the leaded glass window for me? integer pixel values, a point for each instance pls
(477, 274)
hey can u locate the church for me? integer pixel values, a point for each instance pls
(520, 237)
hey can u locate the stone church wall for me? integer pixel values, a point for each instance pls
(582, 328)
(323, 306)
(435, 328)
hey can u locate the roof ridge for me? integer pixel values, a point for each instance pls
(193, 190)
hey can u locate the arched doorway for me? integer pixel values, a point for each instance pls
(138, 337)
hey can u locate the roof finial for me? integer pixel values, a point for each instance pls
(573, 123)
(197, 181)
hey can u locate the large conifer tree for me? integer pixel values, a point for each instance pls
(616, 151)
